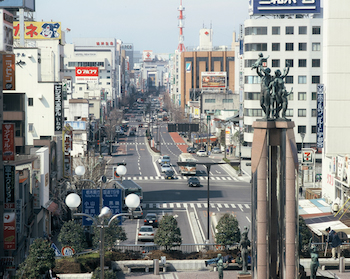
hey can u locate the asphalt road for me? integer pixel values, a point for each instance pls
(228, 192)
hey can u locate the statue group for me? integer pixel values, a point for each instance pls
(273, 95)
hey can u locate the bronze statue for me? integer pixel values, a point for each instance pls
(243, 245)
(314, 260)
(266, 79)
(258, 62)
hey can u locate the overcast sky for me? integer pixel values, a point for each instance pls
(147, 24)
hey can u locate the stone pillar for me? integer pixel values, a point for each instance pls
(274, 201)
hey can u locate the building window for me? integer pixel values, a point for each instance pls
(290, 97)
(314, 96)
(276, 30)
(252, 79)
(302, 46)
(248, 63)
(301, 112)
(302, 30)
(275, 46)
(289, 30)
(289, 112)
(275, 62)
(108, 77)
(256, 47)
(289, 47)
(316, 79)
(252, 95)
(302, 96)
(314, 129)
(108, 83)
(225, 101)
(316, 46)
(253, 112)
(91, 105)
(314, 112)
(302, 63)
(30, 102)
(80, 88)
(289, 79)
(302, 129)
(302, 79)
(316, 30)
(290, 63)
(209, 100)
(255, 30)
(316, 63)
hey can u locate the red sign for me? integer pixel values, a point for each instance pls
(10, 231)
(86, 71)
(8, 71)
(8, 142)
(307, 157)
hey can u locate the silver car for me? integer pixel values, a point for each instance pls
(146, 233)
(137, 213)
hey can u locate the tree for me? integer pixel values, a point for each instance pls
(108, 274)
(168, 233)
(304, 234)
(112, 233)
(228, 232)
(72, 234)
(41, 258)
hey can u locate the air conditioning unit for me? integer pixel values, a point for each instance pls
(31, 127)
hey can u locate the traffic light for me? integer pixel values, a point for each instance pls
(98, 142)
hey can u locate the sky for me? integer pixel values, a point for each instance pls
(148, 25)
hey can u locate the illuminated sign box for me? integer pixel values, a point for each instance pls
(214, 79)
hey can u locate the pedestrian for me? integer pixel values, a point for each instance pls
(335, 242)
(300, 191)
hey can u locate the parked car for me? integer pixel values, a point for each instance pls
(165, 167)
(137, 213)
(140, 125)
(165, 159)
(151, 219)
(132, 133)
(216, 150)
(193, 182)
(202, 153)
(146, 233)
(191, 149)
(169, 174)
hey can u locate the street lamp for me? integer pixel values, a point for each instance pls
(132, 201)
(121, 170)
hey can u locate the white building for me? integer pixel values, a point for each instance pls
(296, 39)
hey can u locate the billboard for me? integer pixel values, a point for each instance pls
(8, 142)
(6, 31)
(86, 74)
(264, 7)
(9, 231)
(58, 107)
(38, 30)
(320, 120)
(8, 72)
(147, 55)
(214, 79)
(13, 4)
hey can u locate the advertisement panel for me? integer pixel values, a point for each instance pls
(147, 55)
(264, 7)
(9, 183)
(9, 231)
(86, 74)
(320, 110)
(128, 47)
(38, 30)
(6, 31)
(58, 107)
(8, 142)
(214, 79)
(8, 72)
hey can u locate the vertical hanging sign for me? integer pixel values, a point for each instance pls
(9, 231)
(8, 142)
(9, 186)
(320, 109)
(58, 107)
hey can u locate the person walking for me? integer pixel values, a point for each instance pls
(335, 242)
(300, 191)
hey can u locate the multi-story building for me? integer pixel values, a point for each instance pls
(294, 40)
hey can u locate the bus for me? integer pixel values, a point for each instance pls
(190, 167)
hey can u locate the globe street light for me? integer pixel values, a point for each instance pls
(132, 201)
(121, 170)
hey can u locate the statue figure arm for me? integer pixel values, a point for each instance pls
(286, 71)
(258, 71)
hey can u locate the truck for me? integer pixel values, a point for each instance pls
(128, 186)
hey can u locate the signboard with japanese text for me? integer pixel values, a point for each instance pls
(18, 215)
(320, 120)
(91, 202)
(8, 142)
(9, 186)
(68, 147)
(265, 7)
(6, 31)
(9, 231)
(8, 72)
(86, 74)
(58, 107)
(37, 30)
(214, 79)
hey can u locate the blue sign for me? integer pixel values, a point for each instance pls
(76, 125)
(91, 202)
(320, 120)
(264, 7)
(57, 252)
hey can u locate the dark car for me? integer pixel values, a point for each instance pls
(191, 150)
(193, 182)
(132, 133)
(169, 174)
(151, 220)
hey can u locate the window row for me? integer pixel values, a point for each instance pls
(224, 101)
(277, 46)
(289, 112)
(301, 129)
(302, 63)
(288, 79)
(276, 30)
(302, 96)
(86, 64)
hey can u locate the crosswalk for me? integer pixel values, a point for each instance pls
(179, 177)
(184, 205)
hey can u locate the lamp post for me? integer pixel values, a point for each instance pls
(132, 201)
(121, 170)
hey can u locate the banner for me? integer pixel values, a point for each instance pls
(38, 30)
(9, 231)
(8, 142)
